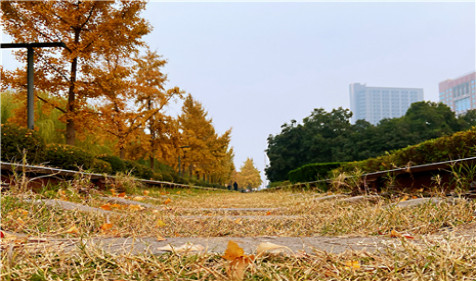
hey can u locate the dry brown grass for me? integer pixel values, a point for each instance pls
(453, 259)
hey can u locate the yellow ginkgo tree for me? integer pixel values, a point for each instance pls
(89, 30)
(203, 152)
(248, 176)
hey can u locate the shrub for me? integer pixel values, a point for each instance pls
(16, 141)
(117, 164)
(312, 172)
(456, 146)
(101, 166)
(68, 157)
(138, 170)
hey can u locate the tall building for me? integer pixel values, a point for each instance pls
(459, 94)
(376, 103)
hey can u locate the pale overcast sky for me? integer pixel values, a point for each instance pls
(255, 66)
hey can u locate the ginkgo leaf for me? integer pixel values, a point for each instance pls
(237, 268)
(106, 207)
(160, 238)
(167, 201)
(353, 265)
(395, 234)
(135, 207)
(22, 212)
(178, 192)
(122, 194)
(404, 198)
(271, 248)
(106, 226)
(146, 192)
(233, 251)
(268, 213)
(72, 230)
(160, 223)
(238, 261)
(138, 198)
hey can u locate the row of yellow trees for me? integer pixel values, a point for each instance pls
(109, 86)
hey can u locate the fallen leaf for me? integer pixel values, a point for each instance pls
(238, 221)
(404, 198)
(117, 206)
(72, 230)
(160, 238)
(167, 201)
(268, 213)
(185, 248)
(233, 251)
(138, 198)
(271, 248)
(135, 207)
(113, 191)
(106, 207)
(106, 226)
(155, 211)
(160, 223)
(122, 194)
(146, 192)
(395, 234)
(178, 192)
(352, 265)
(239, 261)
(22, 212)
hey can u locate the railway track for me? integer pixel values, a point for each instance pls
(39, 176)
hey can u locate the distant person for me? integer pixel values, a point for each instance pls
(235, 186)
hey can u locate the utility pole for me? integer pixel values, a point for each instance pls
(30, 73)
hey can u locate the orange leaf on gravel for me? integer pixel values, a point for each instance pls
(106, 207)
(167, 201)
(106, 226)
(122, 194)
(233, 251)
(146, 192)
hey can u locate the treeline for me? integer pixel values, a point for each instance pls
(330, 137)
(105, 91)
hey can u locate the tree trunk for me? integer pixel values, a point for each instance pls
(70, 108)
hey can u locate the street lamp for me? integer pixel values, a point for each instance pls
(30, 72)
(179, 164)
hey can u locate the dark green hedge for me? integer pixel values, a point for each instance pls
(67, 157)
(20, 142)
(456, 146)
(312, 172)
